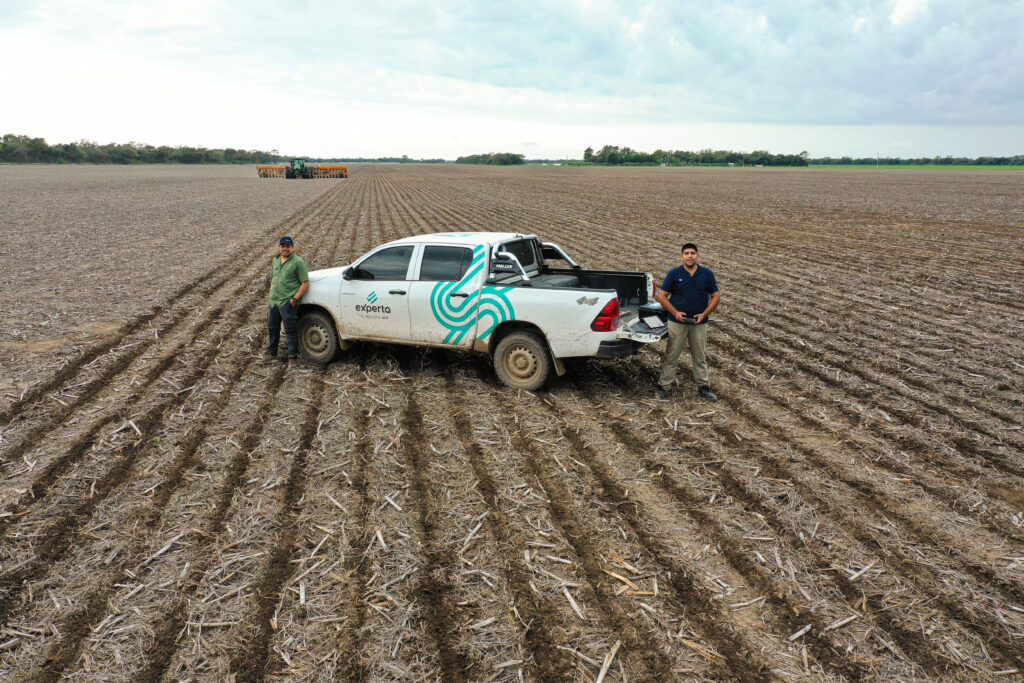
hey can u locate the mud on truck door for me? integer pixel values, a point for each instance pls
(444, 297)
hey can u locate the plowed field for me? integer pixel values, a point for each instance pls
(853, 507)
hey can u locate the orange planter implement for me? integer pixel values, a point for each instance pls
(271, 171)
(313, 171)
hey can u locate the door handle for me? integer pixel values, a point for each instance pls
(461, 295)
(397, 291)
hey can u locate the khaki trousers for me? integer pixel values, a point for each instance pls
(680, 335)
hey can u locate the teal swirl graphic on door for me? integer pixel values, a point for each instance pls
(489, 304)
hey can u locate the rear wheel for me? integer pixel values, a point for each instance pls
(522, 361)
(318, 340)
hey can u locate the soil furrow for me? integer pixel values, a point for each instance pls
(788, 614)
(257, 661)
(171, 625)
(433, 590)
(543, 628)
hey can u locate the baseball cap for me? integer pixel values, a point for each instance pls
(287, 240)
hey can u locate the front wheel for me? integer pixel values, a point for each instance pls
(318, 340)
(522, 361)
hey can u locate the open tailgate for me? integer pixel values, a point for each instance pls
(646, 327)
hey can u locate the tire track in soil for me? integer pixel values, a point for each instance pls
(209, 281)
(787, 616)
(913, 418)
(433, 589)
(812, 423)
(78, 625)
(895, 560)
(58, 536)
(356, 562)
(166, 632)
(911, 642)
(257, 661)
(41, 486)
(636, 635)
(997, 492)
(540, 617)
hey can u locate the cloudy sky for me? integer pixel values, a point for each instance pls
(545, 78)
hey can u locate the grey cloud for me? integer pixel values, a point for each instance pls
(789, 61)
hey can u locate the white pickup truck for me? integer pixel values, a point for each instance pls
(488, 292)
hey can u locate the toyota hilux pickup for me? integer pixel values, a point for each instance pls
(486, 292)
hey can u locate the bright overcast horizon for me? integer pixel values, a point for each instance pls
(901, 78)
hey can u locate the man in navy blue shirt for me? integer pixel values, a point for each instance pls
(689, 294)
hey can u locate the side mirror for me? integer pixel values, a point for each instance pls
(348, 273)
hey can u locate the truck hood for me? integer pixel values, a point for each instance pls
(315, 275)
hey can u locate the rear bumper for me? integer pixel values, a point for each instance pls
(616, 348)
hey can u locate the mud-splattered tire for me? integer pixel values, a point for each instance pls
(318, 340)
(522, 361)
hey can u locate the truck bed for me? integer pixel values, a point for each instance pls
(631, 287)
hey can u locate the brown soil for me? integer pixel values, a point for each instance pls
(851, 509)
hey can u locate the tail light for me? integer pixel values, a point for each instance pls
(608, 319)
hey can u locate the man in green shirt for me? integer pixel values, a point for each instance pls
(289, 280)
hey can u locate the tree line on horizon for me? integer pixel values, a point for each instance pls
(625, 156)
(21, 149)
(611, 155)
(496, 159)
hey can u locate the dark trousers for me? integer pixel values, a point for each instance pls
(288, 315)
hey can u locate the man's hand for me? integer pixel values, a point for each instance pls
(700, 317)
(680, 316)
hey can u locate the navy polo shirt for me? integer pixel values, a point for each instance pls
(690, 293)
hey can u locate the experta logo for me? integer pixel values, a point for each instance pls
(371, 308)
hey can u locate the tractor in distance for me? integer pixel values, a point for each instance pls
(299, 168)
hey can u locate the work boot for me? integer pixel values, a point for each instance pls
(268, 357)
(662, 394)
(705, 393)
(293, 362)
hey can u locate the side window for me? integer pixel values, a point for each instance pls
(389, 264)
(445, 263)
(522, 250)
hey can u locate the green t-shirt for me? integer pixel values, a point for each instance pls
(287, 278)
